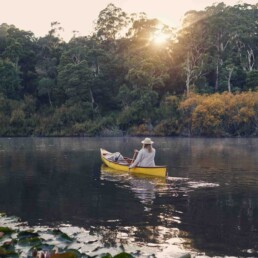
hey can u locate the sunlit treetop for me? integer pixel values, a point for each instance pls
(162, 34)
(159, 37)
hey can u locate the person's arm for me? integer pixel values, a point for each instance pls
(137, 160)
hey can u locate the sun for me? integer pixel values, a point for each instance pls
(159, 37)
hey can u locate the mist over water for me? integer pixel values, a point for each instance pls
(208, 205)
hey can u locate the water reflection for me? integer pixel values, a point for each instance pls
(149, 191)
(208, 203)
(144, 187)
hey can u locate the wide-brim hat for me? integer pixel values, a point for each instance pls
(147, 141)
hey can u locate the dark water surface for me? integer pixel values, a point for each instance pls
(208, 205)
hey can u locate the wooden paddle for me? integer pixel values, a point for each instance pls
(134, 156)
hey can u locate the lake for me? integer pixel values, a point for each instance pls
(207, 206)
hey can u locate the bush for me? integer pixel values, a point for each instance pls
(221, 114)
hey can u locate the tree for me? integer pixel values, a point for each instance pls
(75, 77)
(9, 80)
(252, 79)
(111, 23)
(193, 46)
(49, 51)
(20, 49)
(45, 88)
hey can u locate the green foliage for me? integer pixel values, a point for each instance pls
(119, 80)
(107, 256)
(6, 230)
(252, 80)
(10, 80)
(61, 235)
(123, 255)
(6, 253)
(138, 106)
(76, 80)
(111, 21)
(45, 88)
(167, 127)
(33, 243)
(62, 119)
(17, 118)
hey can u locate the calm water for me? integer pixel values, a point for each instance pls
(208, 206)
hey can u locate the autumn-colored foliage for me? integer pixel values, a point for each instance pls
(225, 114)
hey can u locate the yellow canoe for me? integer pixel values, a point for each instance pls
(160, 171)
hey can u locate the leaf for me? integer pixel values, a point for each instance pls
(61, 235)
(30, 241)
(6, 253)
(6, 230)
(69, 254)
(123, 255)
(27, 234)
(9, 245)
(108, 255)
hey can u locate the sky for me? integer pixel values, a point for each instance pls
(79, 15)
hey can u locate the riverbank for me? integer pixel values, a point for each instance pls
(214, 115)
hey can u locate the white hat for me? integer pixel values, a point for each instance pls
(147, 141)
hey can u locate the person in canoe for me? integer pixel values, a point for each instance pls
(145, 157)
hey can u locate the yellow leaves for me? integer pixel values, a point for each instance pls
(246, 113)
(218, 114)
(191, 102)
(208, 114)
(240, 107)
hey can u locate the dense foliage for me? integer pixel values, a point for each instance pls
(124, 79)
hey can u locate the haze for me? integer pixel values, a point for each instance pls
(79, 15)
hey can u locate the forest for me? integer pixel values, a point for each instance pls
(134, 76)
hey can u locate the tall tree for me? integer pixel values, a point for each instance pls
(49, 51)
(111, 23)
(193, 45)
(9, 80)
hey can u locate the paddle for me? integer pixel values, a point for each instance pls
(134, 156)
(133, 159)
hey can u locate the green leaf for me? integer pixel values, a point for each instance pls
(108, 255)
(6, 230)
(61, 235)
(30, 241)
(6, 253)
(123, 255)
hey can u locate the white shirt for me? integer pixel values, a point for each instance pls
(144, 158)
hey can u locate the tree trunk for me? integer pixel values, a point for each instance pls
(250, 56)
(188, 75)
(49, 99)
(229, 78)
(217, 76)
(92, 100)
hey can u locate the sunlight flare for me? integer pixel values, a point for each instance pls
(159, 37)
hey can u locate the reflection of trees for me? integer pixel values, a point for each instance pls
(144, 187)
(223, 222)
(216, 220)
(58, 181)
(209, 158)
(152, 236)
(39, 178)
(159, 217)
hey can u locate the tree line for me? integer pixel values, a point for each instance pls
(134, 75)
